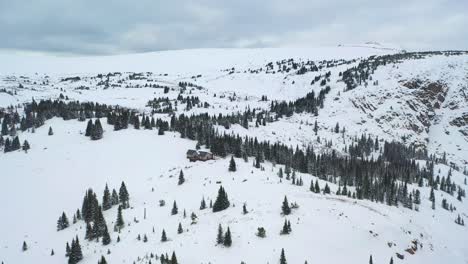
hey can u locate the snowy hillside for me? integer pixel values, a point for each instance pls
(368, 144)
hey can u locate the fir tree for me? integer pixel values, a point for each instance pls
(119, 224)
(102, 260)
(261, 232)
(232, 164)
(106, 199)
(370, 260)
(163, 236)
(244, 209)
(51, 132)
(174, 258)
(174, 209)
(285, 207)
(222, 201)
(124, 196)
(89, 128)
(227, 238)
(52, 252)
(106, 237)
(181, 178)
(203, 204)
(25, 246)
(179, 229)
(26, 146)
(220, 236)
(283, 257)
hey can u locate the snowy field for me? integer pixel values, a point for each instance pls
(53, 176)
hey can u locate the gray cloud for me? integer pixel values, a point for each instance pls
(122, 26)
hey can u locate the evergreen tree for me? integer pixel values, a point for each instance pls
(102, 260)
(285, 207)
(232, 164)
(370, 260)
(97, 131)
(220, 236)
(222, 201)
(163, 236)
(89, 128)
(244, 209)
(51, 132)
(203, 204)
(179, 229)
(106, 199)
(114, 198)
(181, 178)
(227, 238)
(62, 222)
(67, 250)
(174, 209)
(25, 246)
(26, 146)
(283, 257)
(124, 196)
(106, 237)
(119, 224)
(174, 258)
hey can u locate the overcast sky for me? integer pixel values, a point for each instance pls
(125, 26)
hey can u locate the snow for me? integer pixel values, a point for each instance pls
(55, 173)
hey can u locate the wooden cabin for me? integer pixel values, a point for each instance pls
(194, 155)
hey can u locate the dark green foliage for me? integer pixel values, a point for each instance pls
(62, 222)
(51, 132)
(261, 232)
(285, 207)
(174, 258)
(102, 260)
(222, 201)
(179, 229)
(163, 236)
(283, 257)
(202, 204)
(25, 246)
(220, 235)
(75, 255)
(106, 199)
(174, 210)
(119, 223)
(232, 164)
(181, 178)
(124, 197)
(227, 238)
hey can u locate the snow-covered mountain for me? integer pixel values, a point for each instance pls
(369, 92)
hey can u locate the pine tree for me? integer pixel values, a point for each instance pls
(102, 260)
(106, 199)
(222, 201)
(106, 237)
(283, 257)
(163, 236)
(97, 131)
(179, 229)
(227, 238)
(181, 177)
(220, 236)
(62, 222)
(286, 228)
(391, 260)
(232, 164)
(124, 196)
(202, 204)
(244, 209)
(67, 250)
(51, 132)
(25, 246)
(89, 128)
(174, 258)
(285, 207)
(114, 198)
(26, 146)
(174, 209)
(370, 260)
(119, 224)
